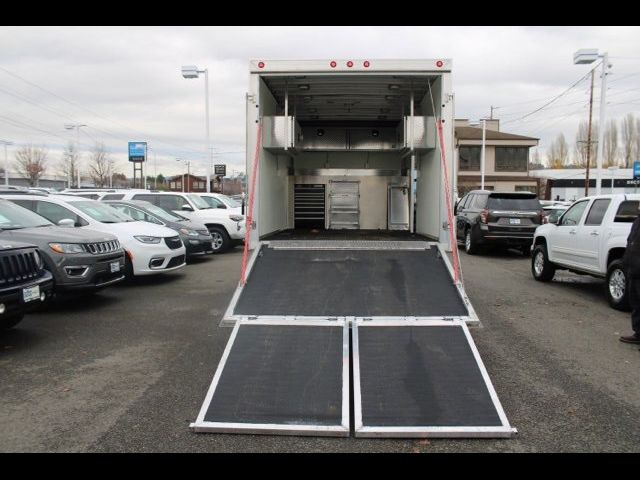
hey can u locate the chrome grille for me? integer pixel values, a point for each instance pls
(99, 248)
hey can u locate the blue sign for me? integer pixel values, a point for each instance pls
(636, 170)
(137, 151)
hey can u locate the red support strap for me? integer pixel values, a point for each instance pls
(249, 219)
(452, 236)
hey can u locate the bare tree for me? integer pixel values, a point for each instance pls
(100, 165)
(582, 139)
(610, 150)
(68, 165)
(629, 139)
(558, 152)
(31, 163)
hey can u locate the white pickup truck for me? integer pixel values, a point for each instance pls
(589, 238)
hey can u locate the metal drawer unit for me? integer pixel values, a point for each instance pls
(309, 205)
(344, 204)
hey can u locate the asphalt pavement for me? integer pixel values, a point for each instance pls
(127, 369)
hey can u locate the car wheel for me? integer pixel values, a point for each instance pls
(220, 239)
(9, 322)
(617, 286)
(470, 245)
(541, 268)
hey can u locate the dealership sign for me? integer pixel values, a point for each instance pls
(137, 151)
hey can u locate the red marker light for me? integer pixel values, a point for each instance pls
(366, 64)
(333, 64)
(260, 64)
(439, 63)
(349, 64)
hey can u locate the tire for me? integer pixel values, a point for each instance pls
(10, 322)
(617, 286)
(128, 268)
(541, 268)
(221, 241)
(470, 245)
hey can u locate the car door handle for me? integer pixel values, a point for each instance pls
(572, 232)
(595, 234)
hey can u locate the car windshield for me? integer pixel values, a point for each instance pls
(13, 217)
(229, 202)
(198, 201)
(513, 202)
(102, 212)
(163, 214)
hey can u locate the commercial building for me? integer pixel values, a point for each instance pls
(506, 158)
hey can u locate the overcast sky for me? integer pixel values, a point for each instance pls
(125, 82)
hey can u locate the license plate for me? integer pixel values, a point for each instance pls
(115, 267)
(30, 294)
(514, 221)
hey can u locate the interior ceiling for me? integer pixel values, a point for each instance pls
(348, 97)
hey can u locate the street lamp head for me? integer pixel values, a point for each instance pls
(190, 71)
(585, 56)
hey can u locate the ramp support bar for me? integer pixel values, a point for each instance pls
(450, 219)
(249, 219)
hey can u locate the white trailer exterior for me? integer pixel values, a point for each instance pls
(362, 121)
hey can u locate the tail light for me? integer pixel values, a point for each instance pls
(484, 216)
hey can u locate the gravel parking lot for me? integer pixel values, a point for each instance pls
(128, 368)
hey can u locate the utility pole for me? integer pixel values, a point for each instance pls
(586, 180)
(482, 153)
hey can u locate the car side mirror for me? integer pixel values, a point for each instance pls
(67, 222)
(187, 208)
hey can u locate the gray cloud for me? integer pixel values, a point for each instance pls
(131, 76)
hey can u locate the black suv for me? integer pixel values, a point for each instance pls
(24, 282)
(498, 218)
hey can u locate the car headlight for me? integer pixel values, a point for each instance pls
(190, 233)
(236, 218)
(39, 262)
(147, 239)
(67, 247)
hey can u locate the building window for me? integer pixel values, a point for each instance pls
(527, 188)
(469, 158)
(512, 159)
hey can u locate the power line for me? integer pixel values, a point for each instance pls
(77, 105)
(556, 97)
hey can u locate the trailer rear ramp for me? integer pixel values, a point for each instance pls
(349, 279)
(422, 379)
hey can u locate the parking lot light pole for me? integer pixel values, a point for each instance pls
(587, 56)
(482, 155)
(192, 71)
(6, 162)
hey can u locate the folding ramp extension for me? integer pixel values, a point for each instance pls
(276, 377)
(422, 379)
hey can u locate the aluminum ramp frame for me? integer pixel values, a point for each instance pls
(457, 306)
(277, 377)
(422, 379)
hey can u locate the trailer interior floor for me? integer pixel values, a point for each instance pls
(346, 234)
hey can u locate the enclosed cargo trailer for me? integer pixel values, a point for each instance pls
(343, 141)
(351, 178)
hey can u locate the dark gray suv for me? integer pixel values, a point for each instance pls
(507, 219)
(79, 259)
